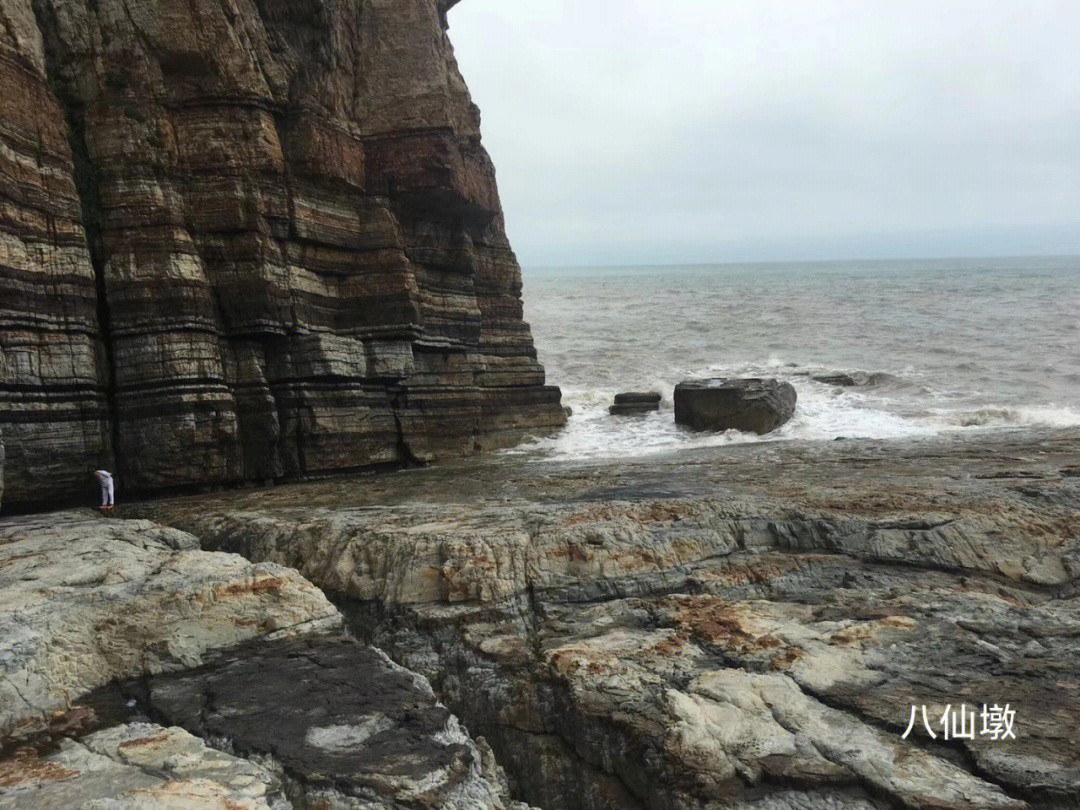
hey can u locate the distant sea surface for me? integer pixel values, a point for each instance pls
(936, 346)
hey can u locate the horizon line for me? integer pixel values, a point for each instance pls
(861, 260)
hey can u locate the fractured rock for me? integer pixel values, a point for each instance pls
(85, 601)
(343, 723)
(754, 638)
(258, 664)
(139, 766)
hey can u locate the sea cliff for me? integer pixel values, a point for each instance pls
(247, 240)
(259, 240)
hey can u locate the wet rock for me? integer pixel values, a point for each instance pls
(137, 767)
(851, 379)
(260, 666)
(635, 402)
(85, 600)
(750, 405)
(839, 378)
(344, 725)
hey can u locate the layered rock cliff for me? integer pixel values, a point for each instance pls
(246, 240)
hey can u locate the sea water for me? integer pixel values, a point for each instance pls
(942, 345)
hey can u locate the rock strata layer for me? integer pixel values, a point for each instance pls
(247, 241)
(746, 627)
(139, 766)
(749, 405)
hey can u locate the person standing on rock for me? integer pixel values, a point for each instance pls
(105, 479)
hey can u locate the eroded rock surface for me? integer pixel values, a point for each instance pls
(632, 403)
(738, 627)
(247, 240)
(138, 766)
(85, 601)
(53, 373)
(251, 658)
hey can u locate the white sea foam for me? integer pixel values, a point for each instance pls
(991, 416)
(821, 415)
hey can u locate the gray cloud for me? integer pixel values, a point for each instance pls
(716, 130)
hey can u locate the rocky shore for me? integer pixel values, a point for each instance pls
(745, 627)
(138, 671)
(250, 242)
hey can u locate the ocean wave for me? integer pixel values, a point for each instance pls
(855, 378)
(867, 358)
(1020, 416)
(834, 401)
(840, 377)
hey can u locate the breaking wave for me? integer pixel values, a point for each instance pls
(1012, 417)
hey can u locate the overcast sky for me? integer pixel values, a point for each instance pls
(647, 131)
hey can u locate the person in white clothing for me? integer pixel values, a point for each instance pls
(105, 479)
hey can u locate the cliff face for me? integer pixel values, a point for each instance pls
(247, 239)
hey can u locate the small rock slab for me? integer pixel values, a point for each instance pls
(846, 379)
(752, 405)
(635, 402)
